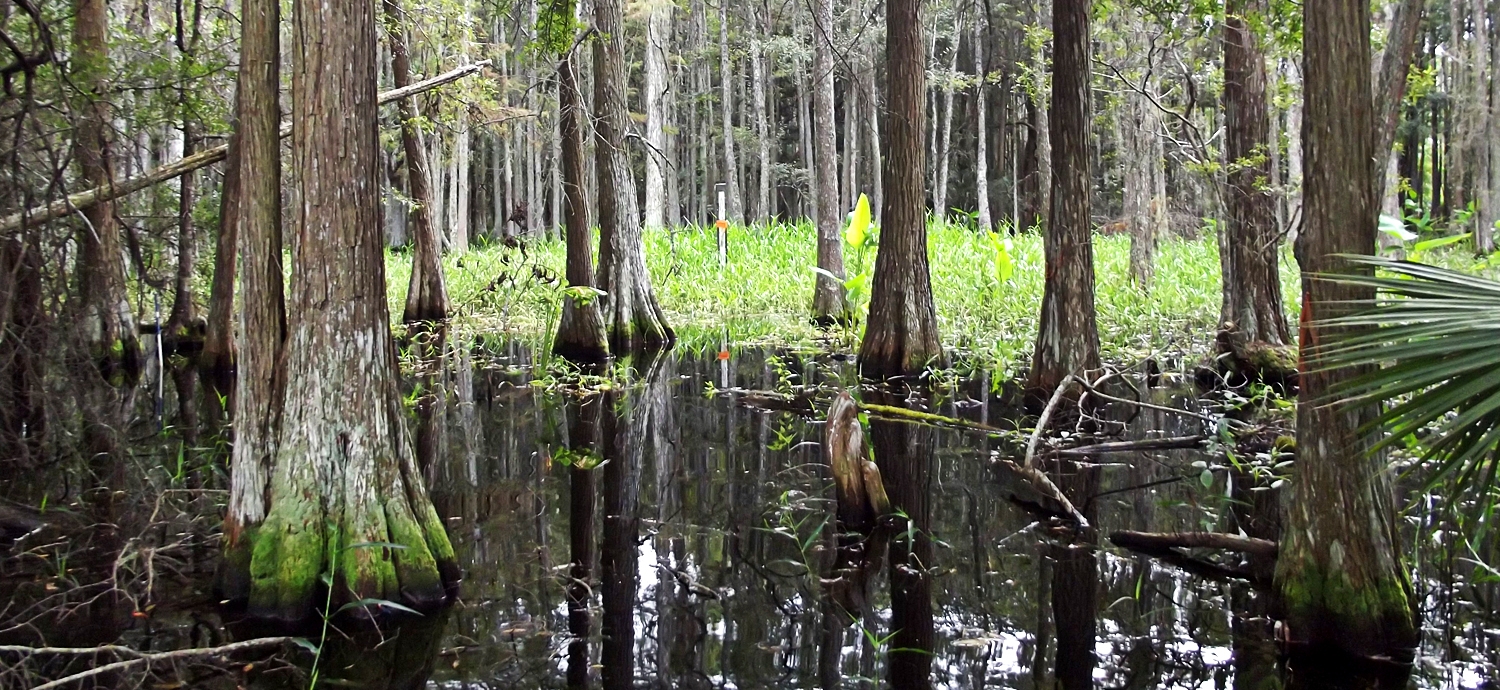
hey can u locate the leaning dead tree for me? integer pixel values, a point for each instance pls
(111, 190)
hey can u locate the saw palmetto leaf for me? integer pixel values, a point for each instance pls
(1433, 338)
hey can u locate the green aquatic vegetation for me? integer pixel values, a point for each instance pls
(987, 288)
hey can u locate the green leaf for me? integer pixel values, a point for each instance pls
(1394, 227)
(376, 544)
(1436, 242)
(1428, 344)
(1206, 478)
(363, 603)
(305, 644)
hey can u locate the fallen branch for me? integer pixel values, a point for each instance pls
(1044, 487)
(141, 658)
(1041, 422)
(202, 159)
(901, 413)
(1194, 540)
(1205, 568)
(1168, 443)
(804, 403)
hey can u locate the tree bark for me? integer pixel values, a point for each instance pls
(1252, 320)
(632, 317)
(901, 337)
(851, 136)
(807, 196)
(904, 453)
(1144, 209)
(981, 135)
(218, 356)
(343, 475)
(1067, 335)
(1339, 569)
(183, 324)
(1467, 96)
(106, 323)
(758, 76)
(262, 316)
(945, 132)
(872, 115)
(726, 104)
(458, 185)
(658, 37)
(427, 293)
(1484, 234)
(583, 492)
(580, 333)
(1390, 81)
(1039, 141)
(829, 303)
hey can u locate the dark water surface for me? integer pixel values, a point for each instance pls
(707, 535)
(673, 532)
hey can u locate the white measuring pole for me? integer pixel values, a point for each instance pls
(723, 227)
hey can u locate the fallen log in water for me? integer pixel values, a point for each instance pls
(1194, 540)
(202, 159)
(1167, 547)
(1165, 443)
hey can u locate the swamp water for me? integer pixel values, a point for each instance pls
(679, 531)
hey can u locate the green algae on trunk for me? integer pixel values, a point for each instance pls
(329, 494)
(1339, 569)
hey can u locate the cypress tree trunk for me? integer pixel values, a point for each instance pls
(726, 104)
(458, 185)
(262, 317)
(904, 454)
(182, 324)
(829, 304)
(583, 437)
(872, 115)
(945, 135)
(343, 473)
(632, 317)
(851, 137)
(658, 33)
(1039, 142)
(106, 323)
(1339, 570)
(1141, 139)
(427, 293)
(806, 196)
(580, 333)
(981, 136)
(1252, 322)
(902, 337)
(217, 358)
(1067, 335)
(625, 429)
(1484, 234)
(758, 76)
(1391, 79)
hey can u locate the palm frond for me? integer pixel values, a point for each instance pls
(1432, 336)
